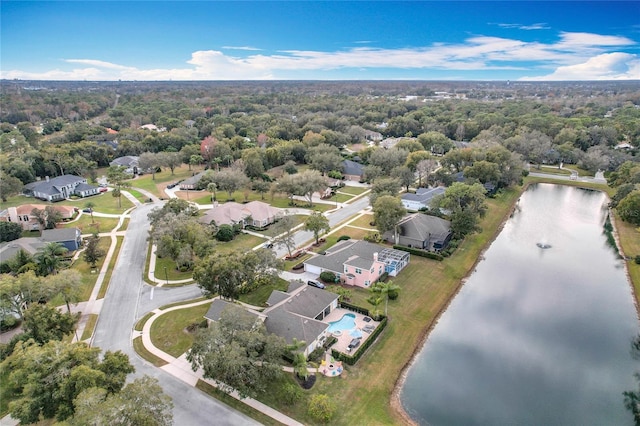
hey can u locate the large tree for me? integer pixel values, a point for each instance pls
(384, 186)
(227, 273)
(284, 233)
(9, 186)
(387, 212)
(141, 402)
(238, 353)
(49, 258)
(43, 323)
(465, 204)
(324, 158)
(309, 182)
(92, 253)
(47, 218)
(317, 223)
(50, 377)
(10, 231)
(629, 208)
(117, 177)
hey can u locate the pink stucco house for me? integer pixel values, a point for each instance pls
(358, 263)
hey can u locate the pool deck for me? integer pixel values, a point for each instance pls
(345, 338)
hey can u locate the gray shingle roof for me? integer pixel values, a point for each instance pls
(60, 234)
(127, 160)
(422, 227)
(48, 187)
(85, 187)
(424, 195)
(347, 252)
(293, 326)
(352, 168)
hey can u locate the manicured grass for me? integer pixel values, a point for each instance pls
(235, 404)
(364, 222)
(147, 182)
(260, 296)
(125, 225)
(168, 331)
(581, 172)
(629, 239)
(242, 242)
(551, 171)
(171, 305)
(144, 353)
(169, 266)
(104, 203)
(139, 196)
(353, 190)
(341, 198)
(99, 224)
(271, 230)
(88, 329)
(140, 324)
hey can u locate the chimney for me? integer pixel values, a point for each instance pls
(375, 256)
(47, 178)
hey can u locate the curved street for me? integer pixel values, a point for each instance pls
(127, 299)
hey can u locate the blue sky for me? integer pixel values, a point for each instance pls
(242, 40)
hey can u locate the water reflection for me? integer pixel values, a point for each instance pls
(535, 336)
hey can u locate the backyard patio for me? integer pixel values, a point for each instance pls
(361, 326)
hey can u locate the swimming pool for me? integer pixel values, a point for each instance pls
(347, 322)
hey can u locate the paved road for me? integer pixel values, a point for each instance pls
(124, 304)
(301, 237)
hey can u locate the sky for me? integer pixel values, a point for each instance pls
(313, 40)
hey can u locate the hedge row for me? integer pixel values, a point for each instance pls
(354, 308)
(352, 359)
(420, 252)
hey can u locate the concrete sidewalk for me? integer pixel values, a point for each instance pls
(181, 368)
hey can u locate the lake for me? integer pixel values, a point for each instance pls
(535, 336)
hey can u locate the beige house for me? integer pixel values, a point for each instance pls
(255, 214)
(22, 215)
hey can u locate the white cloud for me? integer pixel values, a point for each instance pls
(536, 26)
(250, 48)
(574, 53)
(608, 66)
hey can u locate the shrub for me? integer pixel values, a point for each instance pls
(321, 408)
(328, 277)
(393, 294)
(317, 354)
(291, 394)
(344, 237)
(225, 233)
(637, 259)
(373, 237)
(419, 252)
(384, 277)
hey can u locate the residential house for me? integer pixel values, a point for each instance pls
(255, 214)
(71, 238)
(352, 170)
(68, 237)
(128, 161)
(372, 136)
(294, 314)
(421, 199)
(23, 215)
(422, 231)
(358, 263)
(60, 188)
(192, 182)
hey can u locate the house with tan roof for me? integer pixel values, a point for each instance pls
(255, 214)
(24, 216)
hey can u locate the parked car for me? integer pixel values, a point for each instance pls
(353, 344)
(268, 245)
(315, 284)
(103, 189)
(87, 210)
(172, 185)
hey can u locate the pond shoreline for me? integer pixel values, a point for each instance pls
(396, 403)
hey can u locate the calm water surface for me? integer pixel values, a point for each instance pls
(535, 337)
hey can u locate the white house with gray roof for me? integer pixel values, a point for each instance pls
(60, 188)
(421, 199)
(294, 314)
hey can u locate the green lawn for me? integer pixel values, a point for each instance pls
(88, 329)
(551, 171)
(144, 353)
(103, 203)
(172, 274)
(147, 182)
(260, 296)
(340, 198)
(364, 221)
(168, 331)
(239, 197)
(99, 224)
(107, 276)
(271, 231)
(353, 190)
(242, 242)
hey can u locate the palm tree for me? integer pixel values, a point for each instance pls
(299, 358)
(375, 300)
(90, 205)
(212, 189)
(48, 258)
(385, 288)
